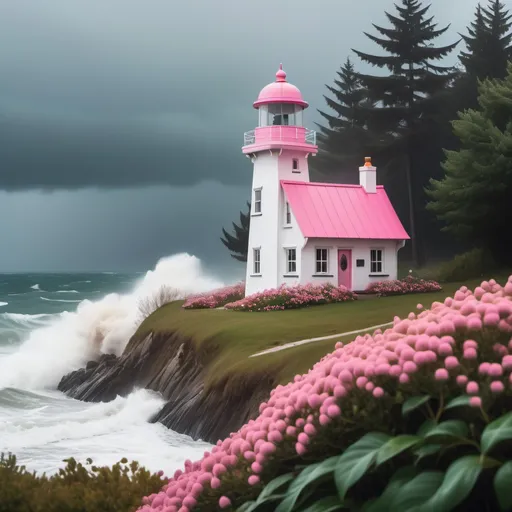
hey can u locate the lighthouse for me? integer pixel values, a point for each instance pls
(304, 232)
(279, 148)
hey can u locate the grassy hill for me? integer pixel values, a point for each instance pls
(226, 339)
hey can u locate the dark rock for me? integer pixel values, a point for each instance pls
(169, 365)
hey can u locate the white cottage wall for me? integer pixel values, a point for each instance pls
(361, 276)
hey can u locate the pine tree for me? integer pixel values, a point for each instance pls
(406, 100)
(473, 198)
(342, 142)
(488, 42)
(238, 242)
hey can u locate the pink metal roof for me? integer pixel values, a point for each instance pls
(280, 91)
(329, 210)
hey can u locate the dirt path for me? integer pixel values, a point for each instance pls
(312, 340)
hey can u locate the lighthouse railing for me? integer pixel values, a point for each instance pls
(280, 133)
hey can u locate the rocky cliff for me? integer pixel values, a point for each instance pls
(168, 364)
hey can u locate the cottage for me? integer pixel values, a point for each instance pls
(303, 232)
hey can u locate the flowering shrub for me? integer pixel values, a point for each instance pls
(440, 381)
(292, 297)
(409, 284)
(216, 298)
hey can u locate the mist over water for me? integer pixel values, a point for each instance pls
(51, 324)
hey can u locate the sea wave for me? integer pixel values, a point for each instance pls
(96, 327)
(35, 287)
(3, 304)
(67, 291)
(59, 300)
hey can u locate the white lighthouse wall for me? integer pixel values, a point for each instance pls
(266, 230)
(361, 276)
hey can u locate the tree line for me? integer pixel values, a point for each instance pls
(440, 135)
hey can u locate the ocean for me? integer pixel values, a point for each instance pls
(51, 324)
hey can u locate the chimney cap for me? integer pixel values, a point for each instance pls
(368, 161)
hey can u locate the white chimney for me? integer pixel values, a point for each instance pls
(368, 176)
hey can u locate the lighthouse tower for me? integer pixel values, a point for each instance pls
(279, 149)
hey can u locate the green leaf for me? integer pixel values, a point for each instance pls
(398, 480)
(502, 483)
(356, 460)
(415, 493)
(413, 403)
(458, 482)
(310, 475)
(328, 504)
(273, 486)
(496, 432)
(451, 429)
(460, 401)
(426, 450)
(426, 427)
(395, 446)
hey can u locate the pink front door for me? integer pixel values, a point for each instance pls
(345, 268)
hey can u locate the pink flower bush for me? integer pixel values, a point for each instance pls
(460, 347)
(292, 297)
(409, 284)
(216, 298)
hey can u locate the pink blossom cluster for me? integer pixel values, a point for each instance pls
(409, 284)
(461, 346)
(291, 297)
(216, 298)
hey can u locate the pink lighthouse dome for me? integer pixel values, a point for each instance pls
(280, 91)
(280, 126)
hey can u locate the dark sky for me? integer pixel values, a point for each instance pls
(121, 122)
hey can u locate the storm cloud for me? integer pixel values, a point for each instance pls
(126, 93)
(121, 121)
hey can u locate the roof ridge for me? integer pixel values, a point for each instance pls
(321, 184)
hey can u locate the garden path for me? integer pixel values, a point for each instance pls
(312, 340)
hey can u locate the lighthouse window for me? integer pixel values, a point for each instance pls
(257, 200)
(288, 214)
(295, 164)
(257, 261)
(291, 261)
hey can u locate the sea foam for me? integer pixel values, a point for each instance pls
(103, 326)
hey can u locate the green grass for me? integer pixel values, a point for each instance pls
(228, 338)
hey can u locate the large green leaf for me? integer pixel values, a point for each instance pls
(356, 460)
(328, 504)
(426, 427)
(460, 401)
(426, 449)
(502, 483)
(447, 430)
(395, 446)
(313, 474)
(413, 403)
(274, 485)
(458, 482)
(414, 492)
(496, 432)
(398, 480)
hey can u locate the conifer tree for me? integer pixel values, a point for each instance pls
(342, 141)
(405, 101)
(473, 198)
(238, 242)
(488, 42)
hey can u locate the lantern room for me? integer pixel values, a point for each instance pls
(280, 118)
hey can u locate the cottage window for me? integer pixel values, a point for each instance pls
(321, 261)
(257, 200)
(257, 261)
(376, 261)
(288, 214)
(291, 261)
